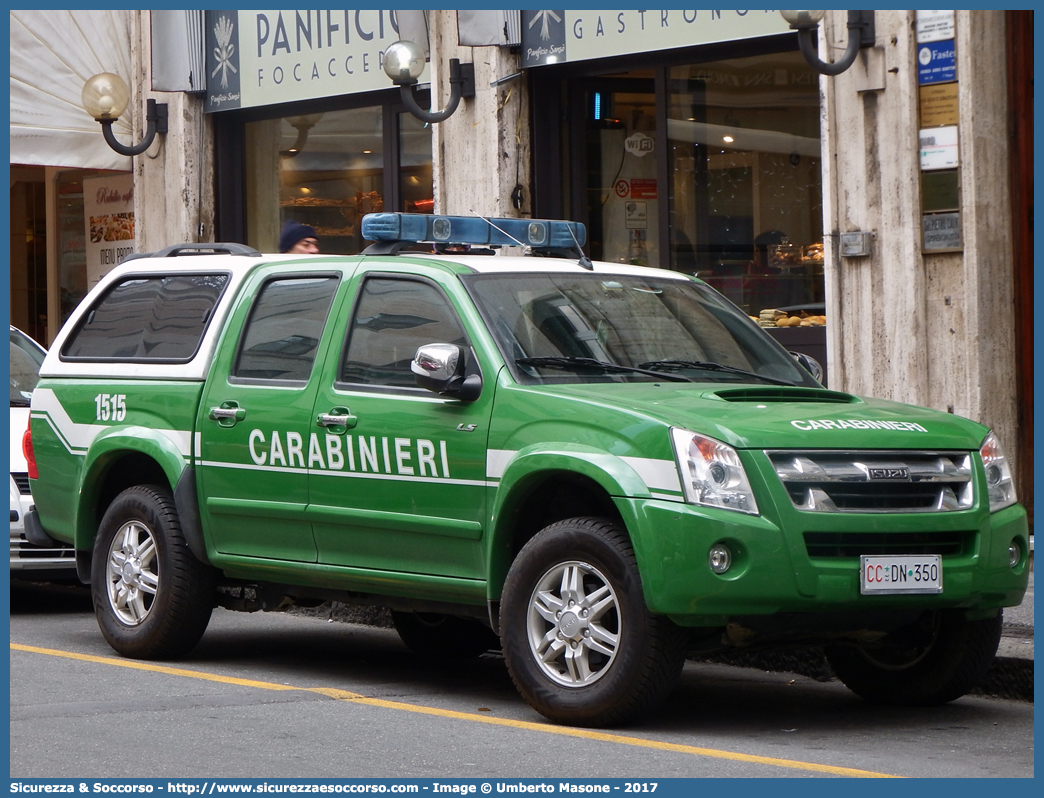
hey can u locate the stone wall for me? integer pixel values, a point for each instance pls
(928, 329)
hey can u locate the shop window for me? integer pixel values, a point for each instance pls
(328, 170)
(711, 168)
(415, 175)
(74, 238)
(745, 182)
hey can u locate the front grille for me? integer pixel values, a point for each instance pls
(853, 544)
(22, 481)
(875, 482)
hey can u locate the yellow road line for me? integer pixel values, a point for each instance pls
(146, 666)
(357, 698)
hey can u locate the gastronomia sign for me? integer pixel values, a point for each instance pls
(268, 57)
(553, 37)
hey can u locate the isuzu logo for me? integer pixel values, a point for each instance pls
(888, 473)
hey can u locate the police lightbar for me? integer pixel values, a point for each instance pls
(475, 230)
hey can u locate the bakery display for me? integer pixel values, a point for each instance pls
(772, 317)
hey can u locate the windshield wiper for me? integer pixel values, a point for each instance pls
(702, 364)
(19, 403)
(573, 363)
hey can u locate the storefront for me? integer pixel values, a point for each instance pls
(308, 127)
(703, 159)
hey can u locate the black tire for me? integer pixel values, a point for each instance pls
(434, 634)
(606, 667)
(938, 660)
(152, 597)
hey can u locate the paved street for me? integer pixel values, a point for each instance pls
(289, 696)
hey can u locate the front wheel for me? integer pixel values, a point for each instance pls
(579, 642)
(933, 662)
(152, 597)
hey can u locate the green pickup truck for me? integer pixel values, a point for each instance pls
(596, 467)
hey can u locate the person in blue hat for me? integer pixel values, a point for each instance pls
(298, 239)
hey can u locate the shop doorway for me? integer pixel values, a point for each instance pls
(29, 251)
(614, 127)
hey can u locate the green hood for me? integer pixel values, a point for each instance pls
(760, 417)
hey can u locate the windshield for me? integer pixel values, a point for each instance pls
(567, 328)
(26, 358)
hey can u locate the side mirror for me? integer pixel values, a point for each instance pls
(809, 364)
(441, 368)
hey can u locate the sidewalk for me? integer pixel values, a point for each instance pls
(1017, 637)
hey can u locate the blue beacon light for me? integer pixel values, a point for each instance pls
(474, 230)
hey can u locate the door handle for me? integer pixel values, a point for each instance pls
(228, 415)
(337, 417)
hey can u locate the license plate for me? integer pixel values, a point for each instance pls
(921, 573)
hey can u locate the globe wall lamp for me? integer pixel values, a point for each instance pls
(861, 33)
(105, 97)
(404, 62)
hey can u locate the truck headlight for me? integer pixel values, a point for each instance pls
(711, 472)
(999, 483)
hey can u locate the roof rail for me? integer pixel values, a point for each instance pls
(179, 250)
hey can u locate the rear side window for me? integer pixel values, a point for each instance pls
(148, 319)
(284, 329)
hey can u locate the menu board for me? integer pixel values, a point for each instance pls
(108, 213)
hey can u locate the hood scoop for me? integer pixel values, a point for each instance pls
(784, 394)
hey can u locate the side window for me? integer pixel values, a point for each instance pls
(284, 329)
(148, 319)
(394, 317)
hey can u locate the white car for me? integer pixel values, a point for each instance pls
(28, 561)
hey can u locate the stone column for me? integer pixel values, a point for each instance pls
(174, 178)
(481, 152)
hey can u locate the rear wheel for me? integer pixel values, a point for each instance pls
(152, 597)
(434, 634)
(935, 661)
(579, 642)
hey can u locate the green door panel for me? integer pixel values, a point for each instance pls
(257, 435)
(411, 465)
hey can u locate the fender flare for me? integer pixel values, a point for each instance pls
(611, 473)
(108, 447)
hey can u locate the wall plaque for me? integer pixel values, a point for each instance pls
(938, 104)
(939, 148)
(941, 231)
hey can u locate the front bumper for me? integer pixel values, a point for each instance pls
(772, 571)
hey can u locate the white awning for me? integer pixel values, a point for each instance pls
(53, 53)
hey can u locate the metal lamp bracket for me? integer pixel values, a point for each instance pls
(861, 33)
(462, 84)
(156, 119)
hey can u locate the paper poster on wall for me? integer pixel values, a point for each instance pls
(108, 213)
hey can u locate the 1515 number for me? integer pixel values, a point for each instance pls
(110, 406)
